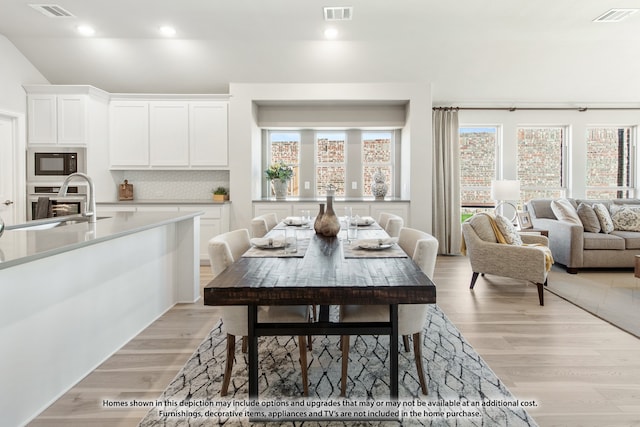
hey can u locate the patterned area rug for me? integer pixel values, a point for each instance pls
(463, 390)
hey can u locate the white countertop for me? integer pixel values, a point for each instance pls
(18, 246)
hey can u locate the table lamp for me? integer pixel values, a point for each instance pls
(505, 192)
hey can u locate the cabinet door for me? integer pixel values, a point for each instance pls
(169, 133)
(208, 133)
(72, 119)
(42, 122)
(129, 134)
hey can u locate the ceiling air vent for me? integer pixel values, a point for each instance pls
(52, 10)
(338, 13)
(615, 15)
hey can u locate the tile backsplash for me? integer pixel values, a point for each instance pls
(176, 185)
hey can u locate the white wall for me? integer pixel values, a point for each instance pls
(245, 138)
(15, 71)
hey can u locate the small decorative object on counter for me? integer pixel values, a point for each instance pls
(125, 191)
(330, 225)
(379, 186)
(279, 174)
(316, 224)
(220, 194)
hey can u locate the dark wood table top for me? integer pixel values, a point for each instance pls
(323, 276)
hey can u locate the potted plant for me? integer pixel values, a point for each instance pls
(220, 194)
(279, 174)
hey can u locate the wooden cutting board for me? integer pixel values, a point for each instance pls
(125, 191)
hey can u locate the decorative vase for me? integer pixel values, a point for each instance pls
(280, 187)
(316, 224)
(379, 186)
(330, 225)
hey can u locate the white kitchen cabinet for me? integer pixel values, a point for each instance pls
(176, 134)
(57, 119)
(129, 133)
(208, 134)
(168, 133)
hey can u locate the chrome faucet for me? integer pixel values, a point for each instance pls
(91, 211)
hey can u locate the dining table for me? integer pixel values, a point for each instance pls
(323, 271)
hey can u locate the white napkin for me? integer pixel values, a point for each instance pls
(365, 220)
(268, 242)
(376, 243)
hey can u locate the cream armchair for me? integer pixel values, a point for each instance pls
(423, 249)
(487, 256)
(224, 250)
(262, 224)
(391, 223)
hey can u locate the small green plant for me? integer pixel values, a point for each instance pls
(220, 191)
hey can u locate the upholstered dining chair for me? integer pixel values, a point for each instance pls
(487, 256)
(423, 249)
(224, 250)
(262, 224)
(391, 223)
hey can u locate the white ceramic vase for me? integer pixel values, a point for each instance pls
(280, 188)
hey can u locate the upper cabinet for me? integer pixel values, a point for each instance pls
(168, 134)
(57, 119)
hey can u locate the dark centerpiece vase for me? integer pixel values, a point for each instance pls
(316, 224)
(329, 225)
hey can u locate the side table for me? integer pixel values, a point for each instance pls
(536, 230)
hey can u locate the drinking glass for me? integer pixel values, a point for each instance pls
(305, 216)
(352, 231)
(290, 240)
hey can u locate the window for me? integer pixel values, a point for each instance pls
(609, 162)
(285, 147)
(377, 153)
(330, 162)
(541, 162)
(478, 151)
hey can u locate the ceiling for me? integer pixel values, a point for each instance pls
(542, 50)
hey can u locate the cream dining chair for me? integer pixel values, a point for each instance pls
(391, 223)
(423, 249)
(224, 250)
(262, 224)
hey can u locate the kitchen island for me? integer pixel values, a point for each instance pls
(72, 295)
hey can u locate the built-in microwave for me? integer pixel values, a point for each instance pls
(54, 163)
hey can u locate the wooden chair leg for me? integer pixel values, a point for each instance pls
(344, 344)
(417, 353)
(245, 341)
(405, 340)
(540, 293)
(231, 350)
(303, 364)
(473, 280)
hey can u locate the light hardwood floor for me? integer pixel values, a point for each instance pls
(580, 370)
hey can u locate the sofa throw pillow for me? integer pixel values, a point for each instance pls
(564, 211)
(589, 219)
(508, 230)
(606, 223)
(626, 219)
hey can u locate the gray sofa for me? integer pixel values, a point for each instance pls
(575, 248)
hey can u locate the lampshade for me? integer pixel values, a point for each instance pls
(505, 189)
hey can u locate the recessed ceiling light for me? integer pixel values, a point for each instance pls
(330, 33)
(86, 30)
(167, 31)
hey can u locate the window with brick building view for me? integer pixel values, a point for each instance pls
(609, 162)
(377, 154)
(541, 162)
(330, 162)
(333, 157)
(285, 147)
(478, 154)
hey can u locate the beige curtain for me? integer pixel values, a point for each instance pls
(446, 181)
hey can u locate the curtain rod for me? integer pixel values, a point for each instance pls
(580, 109)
